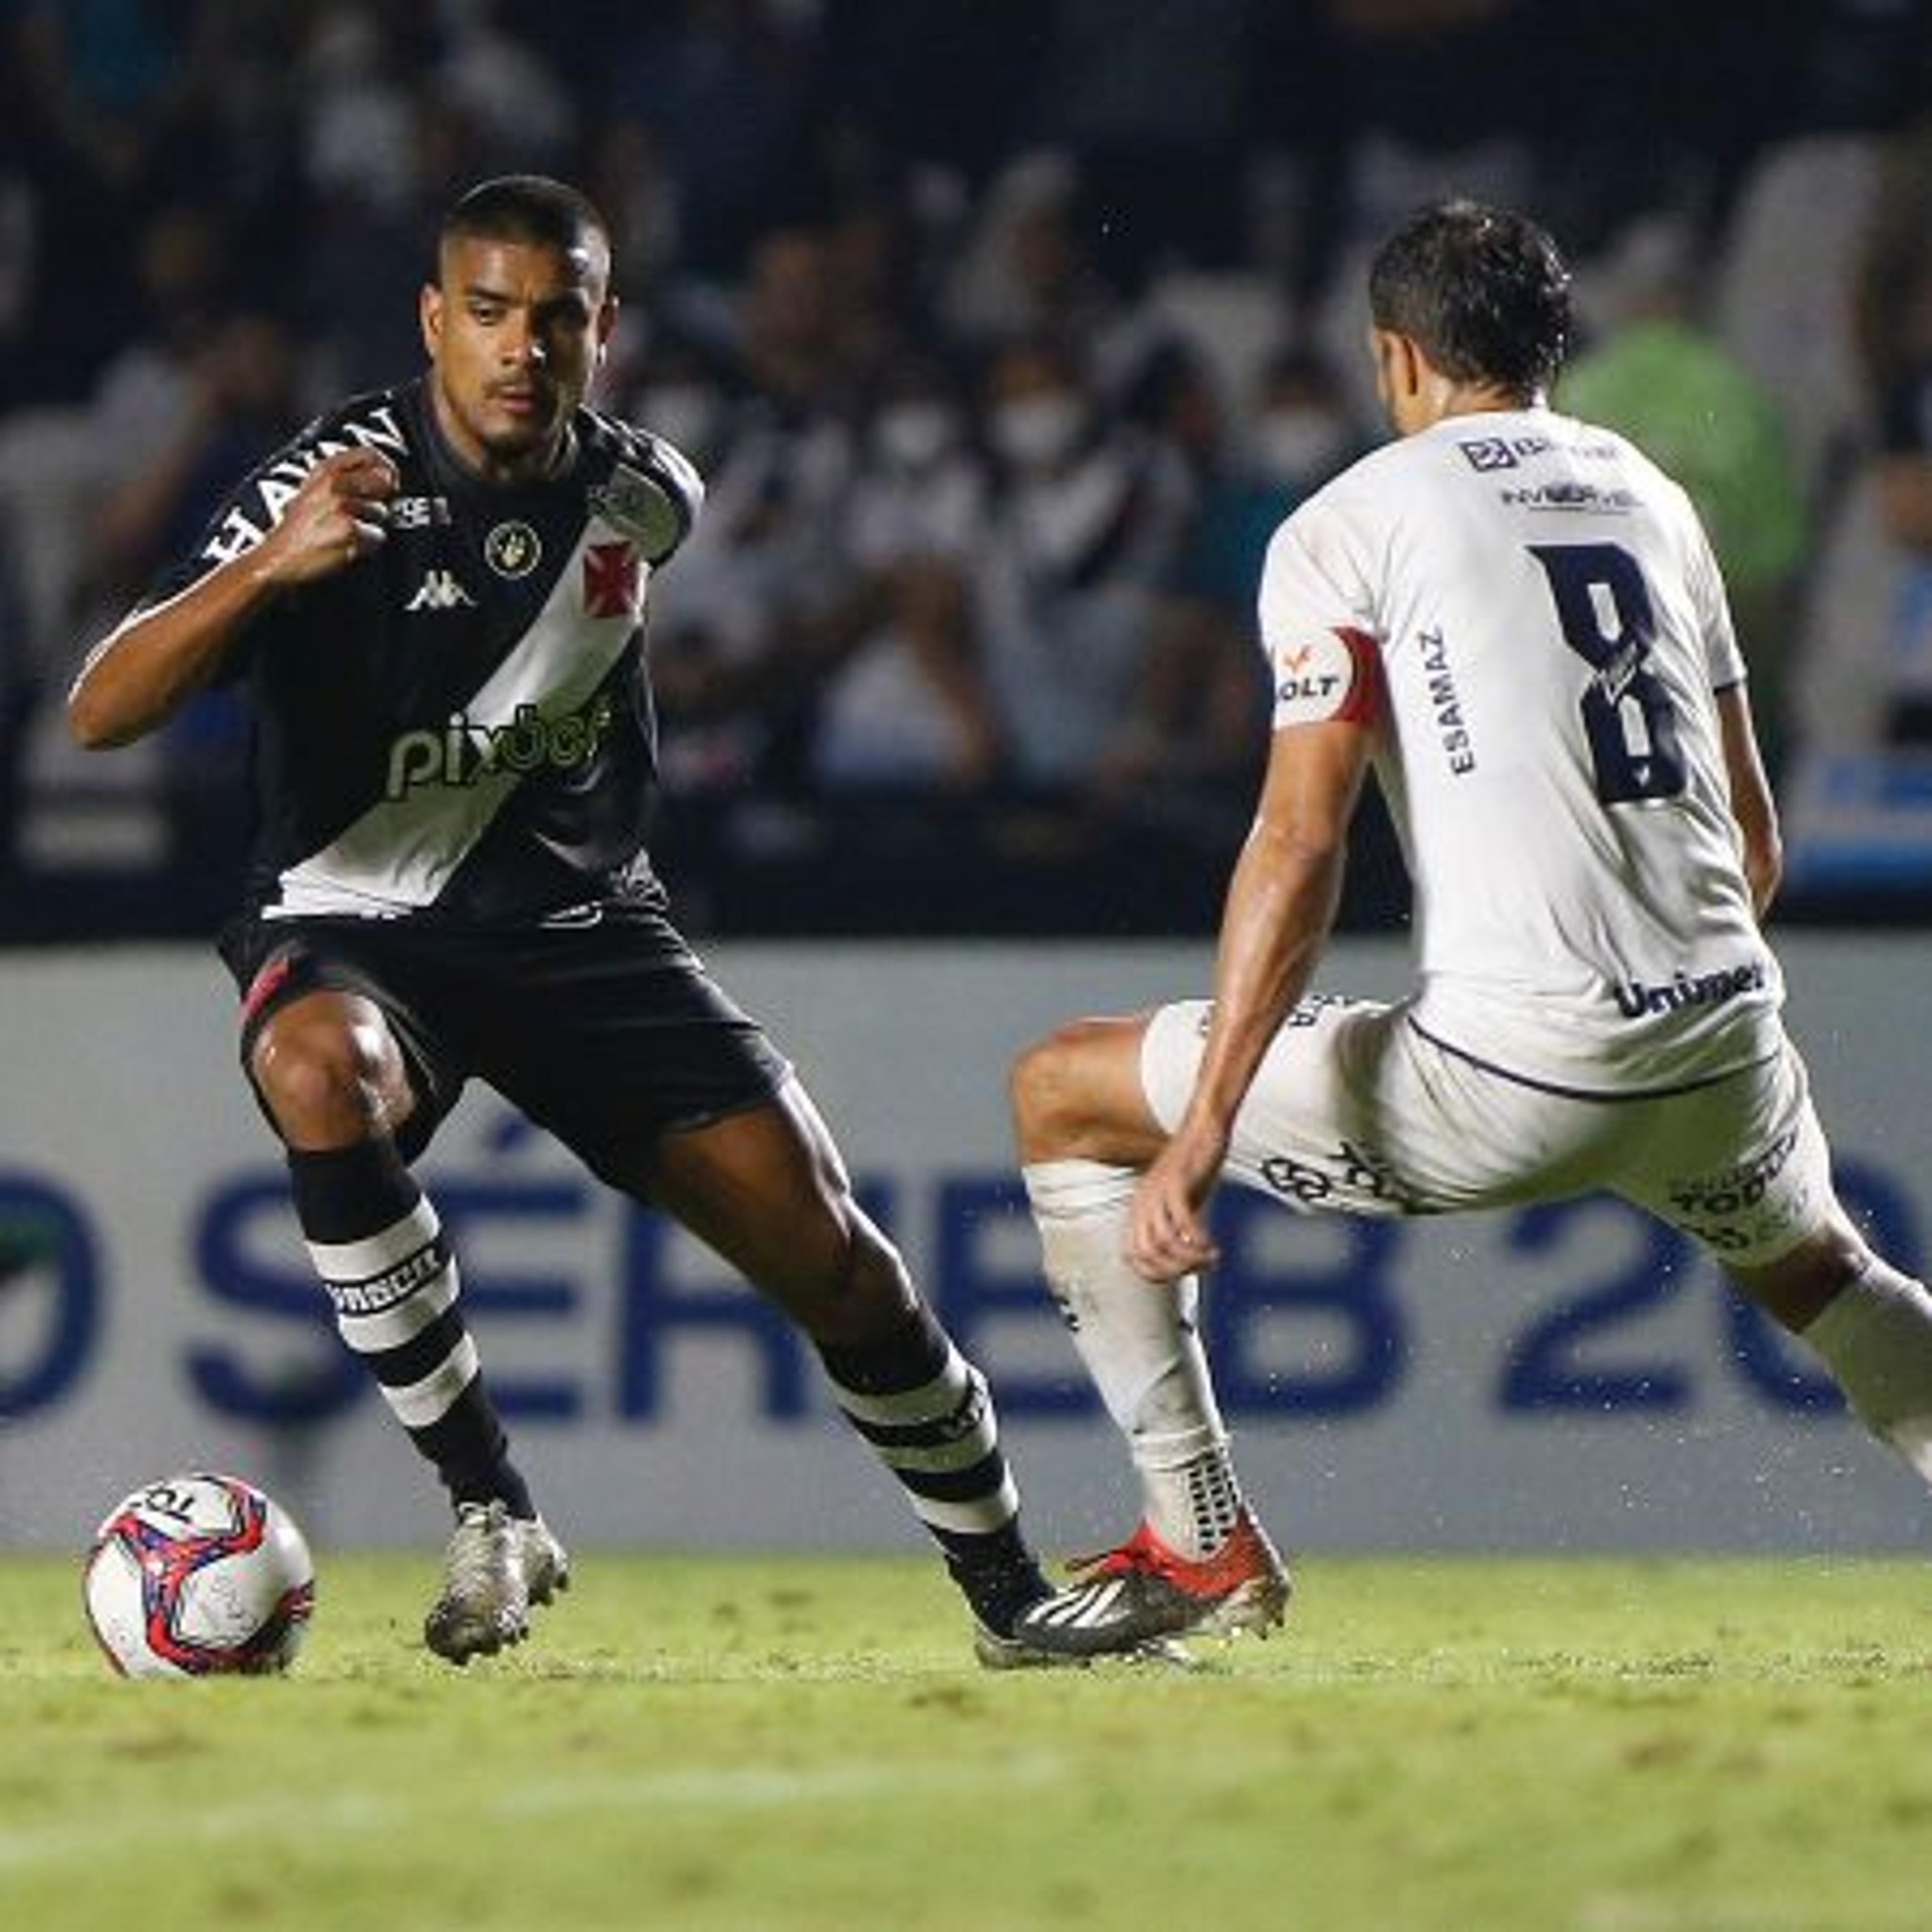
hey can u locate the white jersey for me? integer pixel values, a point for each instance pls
(1530, 610)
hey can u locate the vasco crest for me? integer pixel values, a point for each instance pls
(512, 549)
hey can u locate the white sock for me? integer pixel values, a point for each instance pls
(1138, 1338)
(1876, 1337)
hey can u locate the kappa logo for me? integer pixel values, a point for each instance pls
(440, 591)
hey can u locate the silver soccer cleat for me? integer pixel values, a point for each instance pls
(495, 1568)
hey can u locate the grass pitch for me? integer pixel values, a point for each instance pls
(792, 1744)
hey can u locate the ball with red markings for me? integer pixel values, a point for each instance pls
(199, 1575)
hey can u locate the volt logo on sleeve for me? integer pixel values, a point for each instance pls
(1334, 674)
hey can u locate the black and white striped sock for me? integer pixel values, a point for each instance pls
(375, 1240)
(929, 1417)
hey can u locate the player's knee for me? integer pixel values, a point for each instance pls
(1043, 1089)
(1076, 1094)
(320, 1082)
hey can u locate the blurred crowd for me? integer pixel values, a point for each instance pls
(1004, 332)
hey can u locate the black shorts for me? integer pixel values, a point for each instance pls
(603, 1028)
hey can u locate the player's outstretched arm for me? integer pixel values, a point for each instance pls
(1280, 905)
(157, 658)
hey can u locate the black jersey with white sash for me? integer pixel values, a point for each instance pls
(458, 726)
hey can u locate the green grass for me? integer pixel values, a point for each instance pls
(792, 1744)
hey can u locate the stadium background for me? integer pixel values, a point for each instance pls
(907, 831)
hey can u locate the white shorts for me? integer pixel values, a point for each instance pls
(1355, 1111)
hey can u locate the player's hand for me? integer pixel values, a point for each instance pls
(339, 515)
(1167, 1231)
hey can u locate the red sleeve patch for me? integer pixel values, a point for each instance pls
(1334, 677)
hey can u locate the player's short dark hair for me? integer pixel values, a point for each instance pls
(1484, 292)
(529, 208)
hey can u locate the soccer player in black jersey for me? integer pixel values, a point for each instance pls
(434, 598)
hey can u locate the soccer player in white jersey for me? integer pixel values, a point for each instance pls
(1516, 620)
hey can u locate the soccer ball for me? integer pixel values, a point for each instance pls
(199, 1575)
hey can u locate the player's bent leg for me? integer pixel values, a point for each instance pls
(1199, 1563)
(331, 1078)
(1870, 1324)
(767, 1190)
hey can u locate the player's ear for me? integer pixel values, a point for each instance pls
(1385, 346)
(429, 317)
(1403, 374)
(1405, 370)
